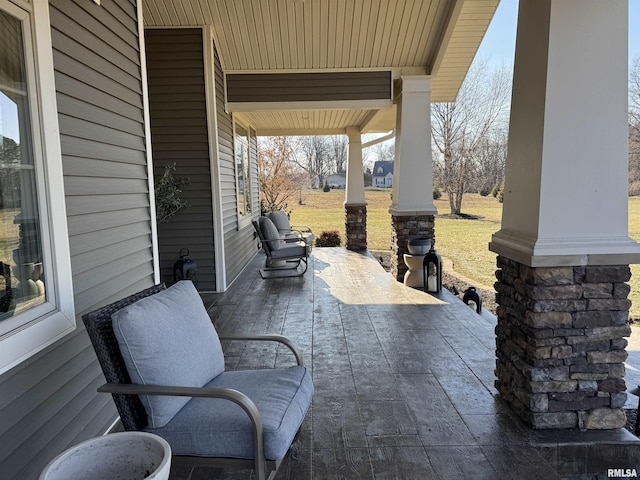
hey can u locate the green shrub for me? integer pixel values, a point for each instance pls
(326, 188)
(329, 238)
(437, 192)
(496, 188)
(485, 190)
(500, 195)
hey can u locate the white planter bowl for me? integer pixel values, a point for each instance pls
(419, 246)
(123, 456)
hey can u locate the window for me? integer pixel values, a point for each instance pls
(243, 170)
(36, 298)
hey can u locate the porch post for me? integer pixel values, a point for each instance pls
(355, 204)
(563, 249)
(412, 209)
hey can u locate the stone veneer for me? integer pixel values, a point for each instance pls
(356, 227)
(560, 343)
(404, 227)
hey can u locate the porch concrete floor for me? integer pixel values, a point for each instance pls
(403, 382)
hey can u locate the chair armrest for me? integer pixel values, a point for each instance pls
(301, 228)
(269, 338)
(234, 396)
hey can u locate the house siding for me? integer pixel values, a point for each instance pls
(177, 97)
(49, 402)
(308, 87)
(240, 245)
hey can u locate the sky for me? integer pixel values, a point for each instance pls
(498, 44)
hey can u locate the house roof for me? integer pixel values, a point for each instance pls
(405, 37)
(385, 165)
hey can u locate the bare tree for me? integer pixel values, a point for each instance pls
(278, 176)
(338, 151)
(458, 128)
(385, 150)
(490, 162)
(313, 158)
(634, 128)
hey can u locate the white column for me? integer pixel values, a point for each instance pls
(565, 198)
(412, 169)
(354, 194)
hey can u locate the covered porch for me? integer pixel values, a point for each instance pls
(404, 381)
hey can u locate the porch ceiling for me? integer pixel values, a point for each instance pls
(437, 37)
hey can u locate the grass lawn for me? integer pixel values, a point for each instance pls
(634, 232)
(465, 242)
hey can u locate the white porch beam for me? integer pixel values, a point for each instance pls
(413, 171)
(391, 135)
(565, 199)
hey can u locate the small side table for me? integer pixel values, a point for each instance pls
(414, 277)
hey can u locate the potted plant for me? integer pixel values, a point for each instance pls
(168, 191)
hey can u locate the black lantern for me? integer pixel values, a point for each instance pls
(432, 271)
(472, 298)
(185, 268)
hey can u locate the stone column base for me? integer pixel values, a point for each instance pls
(404, 227)
(356, 227)
(560, 343)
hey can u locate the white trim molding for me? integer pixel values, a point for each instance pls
(27, 333)
(214, 155)
(148, 146)
(311, 105)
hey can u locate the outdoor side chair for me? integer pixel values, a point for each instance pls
(292, 233)
(164, 366)
(282, 257)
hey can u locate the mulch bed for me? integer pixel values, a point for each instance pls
(631, 419)
(457, 286)
(451, 282)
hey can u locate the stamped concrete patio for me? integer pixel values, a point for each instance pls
(403, 382)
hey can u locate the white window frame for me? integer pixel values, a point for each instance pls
(27, 333)
(243, 220)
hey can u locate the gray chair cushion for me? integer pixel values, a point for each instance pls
(281, 221)
(297, 250)
(270, 233)
(215, 427)
(168, 339)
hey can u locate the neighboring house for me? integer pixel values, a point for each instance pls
(337, 180)
(382, 175)
(101, 95)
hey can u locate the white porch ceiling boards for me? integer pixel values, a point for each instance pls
(437, 37)
(310, 122)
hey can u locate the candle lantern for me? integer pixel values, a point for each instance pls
(432, 272)
(185, 268)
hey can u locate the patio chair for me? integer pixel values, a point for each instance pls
(292, 233)
(282, 257)
(164, 366)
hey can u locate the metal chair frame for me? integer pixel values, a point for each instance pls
(291, 261)
(130, 408)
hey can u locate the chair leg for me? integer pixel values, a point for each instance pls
(288, 264)
(260, 470)
(275, 269)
